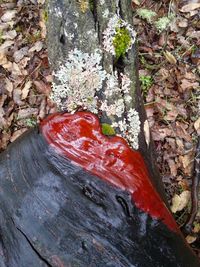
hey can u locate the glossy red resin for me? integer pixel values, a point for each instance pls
(79, 137)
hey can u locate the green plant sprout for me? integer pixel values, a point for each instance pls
(146, 83)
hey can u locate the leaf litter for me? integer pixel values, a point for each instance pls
(172, 58)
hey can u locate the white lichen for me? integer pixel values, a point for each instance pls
(110, 32)
(82, 76)
(129, 125)
(102, 2)
(78, 80)
(105, 13)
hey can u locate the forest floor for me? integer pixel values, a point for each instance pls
(169, 67)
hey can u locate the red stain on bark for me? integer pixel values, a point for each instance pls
(79, 137)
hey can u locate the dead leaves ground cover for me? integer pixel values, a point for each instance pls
(169, 74)
(25, 77)
(169, 55)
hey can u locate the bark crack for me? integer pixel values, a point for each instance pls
(34, 249)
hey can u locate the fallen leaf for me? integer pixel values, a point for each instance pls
(17, 96)
(43, 28)
(41, 2)
(170, 58)
(42, 109)
(6, 45)
(196, 228)
(8, 15)
(9, 35)
(186, 85)
(19, 54)
(16, 70)
(187, 162)
(190, 7)
(42, 87)
(17, 133)
(197, 125)
(37, 47)
(159, 134)
(190, 239)
(137, 2)
(27, 112)
(173, 167)
(9, 86)
(183, 23)
(179, 202)
(26, 89)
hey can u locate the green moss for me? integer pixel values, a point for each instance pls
(45, 14)
(1, 37)
(107, 129)
(121, 41)
(91, 4)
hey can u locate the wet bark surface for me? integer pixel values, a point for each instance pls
(54, 213)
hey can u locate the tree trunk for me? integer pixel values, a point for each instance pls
(75, 25)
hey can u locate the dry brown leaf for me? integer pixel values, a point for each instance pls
(27, 112)
(179, 202)
(41, 2)
(42, 109)
(5, 139)
(196, 228)
(183, 23)
(19, 54)
(173, 167)
(16, 70)
(8, 15)
(197, 125)
(17, 96)
(137, 2)
(159, 134)
(190, 7)
(190, 239)
(181, 131)
(25, 90)
(171, 115)
(2, 119)
(170, 58)
(9, 35)
(43, 28)
(17, 133)
(186, 85)
(49, 78)
(6, 45)
(42, 87)
(187, 163)
(9, 86)
(36, 47)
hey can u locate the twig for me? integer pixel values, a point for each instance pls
(195, 187)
